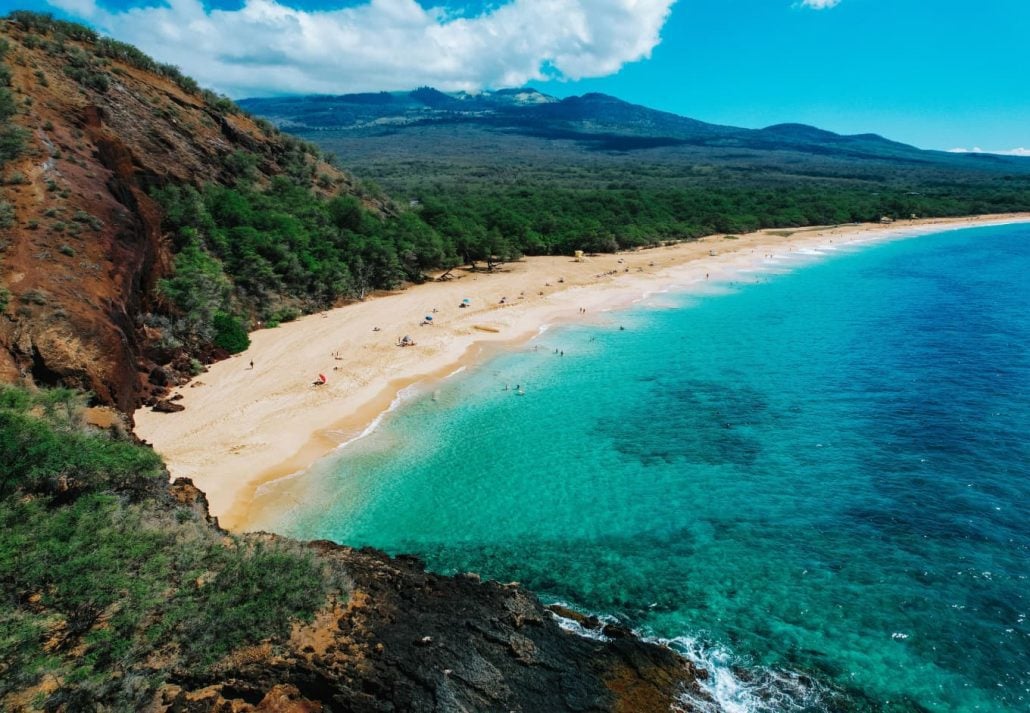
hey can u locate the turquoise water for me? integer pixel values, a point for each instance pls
(816, 483)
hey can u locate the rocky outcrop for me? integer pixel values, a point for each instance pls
(409, 640)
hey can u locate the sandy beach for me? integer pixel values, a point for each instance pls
(245, 426)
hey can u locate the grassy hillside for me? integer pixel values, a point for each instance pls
(108, 583)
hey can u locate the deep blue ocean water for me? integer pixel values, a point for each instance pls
(817, 482)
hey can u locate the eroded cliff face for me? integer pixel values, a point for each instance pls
(407, 640)
(84, 250)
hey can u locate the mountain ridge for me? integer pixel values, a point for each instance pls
(593, 112)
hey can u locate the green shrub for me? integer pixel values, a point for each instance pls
(100, 564)
(230, 334)
(255, 595)
(12, 141)
(7, 216)
(89, 77)
(199, 290)
(284, 314)
(242, 165)
(33, 297)
(40, 459)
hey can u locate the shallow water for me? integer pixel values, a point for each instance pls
(817, 483)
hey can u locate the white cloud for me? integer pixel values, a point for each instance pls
(1010, 152)
(820, 4)
(265, 47)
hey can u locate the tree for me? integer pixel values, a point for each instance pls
(199, 289)
(498, 250)
(230, 334)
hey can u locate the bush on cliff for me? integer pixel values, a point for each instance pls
(12, 138)
(107, 584)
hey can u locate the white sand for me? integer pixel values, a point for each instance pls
(243, 427)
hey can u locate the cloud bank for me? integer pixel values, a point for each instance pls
(1010, 152)
(820, 4)
(265, 47)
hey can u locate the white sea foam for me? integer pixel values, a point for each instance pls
(264, 488)
(402, 396)
(763, 690)
(573, 626)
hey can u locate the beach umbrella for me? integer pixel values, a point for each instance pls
(466, 300)
(429, 318)
(322, 378)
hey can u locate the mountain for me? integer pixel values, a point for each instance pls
(596, 122)
(547, 175)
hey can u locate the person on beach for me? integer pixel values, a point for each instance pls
(251, 363)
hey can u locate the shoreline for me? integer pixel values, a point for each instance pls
(244, 428)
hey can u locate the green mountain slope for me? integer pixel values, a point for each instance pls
(597, 122)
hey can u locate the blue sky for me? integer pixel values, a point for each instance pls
(934, 73)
